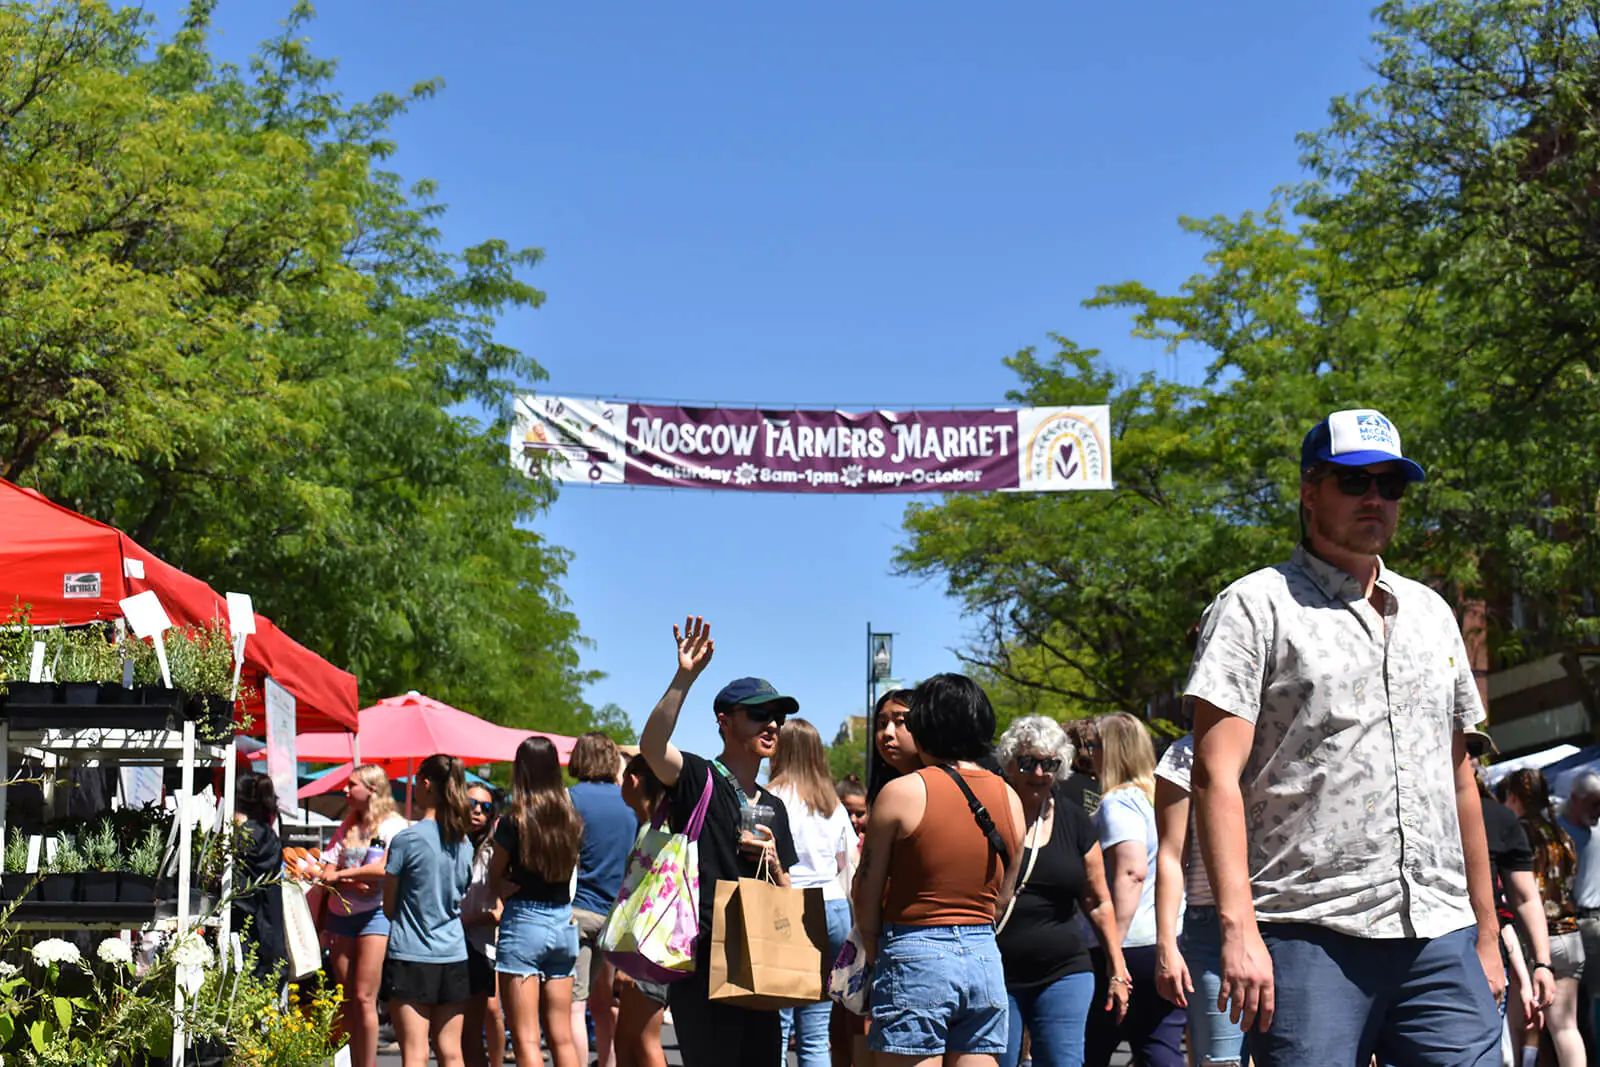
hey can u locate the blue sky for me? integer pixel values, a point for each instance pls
(820, 204)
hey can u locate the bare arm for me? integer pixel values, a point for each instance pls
(655, 743)
(1008, 887)
(1097, 906)
(391, 895)
(1522, 893)
(1172, 831)
(500, 885)
(1129, 867)
(1475, 850)
(896, 812)
(1222, 744)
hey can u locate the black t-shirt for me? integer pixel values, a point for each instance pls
(1043, 940)
(720, 858)
(1508, 846)
(530, 885)
(1081, 790)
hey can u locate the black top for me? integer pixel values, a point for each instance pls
(720, 858)
(1508, 847)
(262, 858)
(1044, 939)
(530, 885)
(1080, 789)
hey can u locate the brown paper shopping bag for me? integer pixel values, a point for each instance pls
(768, 945)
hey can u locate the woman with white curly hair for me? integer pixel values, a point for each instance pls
(1049, 977)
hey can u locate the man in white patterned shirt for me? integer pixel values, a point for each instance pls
(1337, 810)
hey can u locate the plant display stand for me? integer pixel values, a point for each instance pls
(63, 735)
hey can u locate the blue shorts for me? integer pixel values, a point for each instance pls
(1342, 999)
(372, 923)
(537, 940)
(939, 989)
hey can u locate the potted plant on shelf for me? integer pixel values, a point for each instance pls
(202, 666)
(143, 865)
(60, 885)
(16, 662)
(16, 883)
(101, 864)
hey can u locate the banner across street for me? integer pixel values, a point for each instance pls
(602, 442)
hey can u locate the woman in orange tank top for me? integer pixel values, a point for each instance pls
(937, 865)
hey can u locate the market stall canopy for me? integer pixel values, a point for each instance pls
(414, 727)
(334, 778)
(72, 570)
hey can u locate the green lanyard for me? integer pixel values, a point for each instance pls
(744, 801)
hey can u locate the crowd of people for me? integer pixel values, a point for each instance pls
(1316, 875)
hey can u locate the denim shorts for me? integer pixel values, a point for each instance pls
(939, 989)
(372, 923)
(537, 940)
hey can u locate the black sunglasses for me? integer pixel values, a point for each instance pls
(1391, 485)
(1049, 765)
(761, 714)
(483, 805)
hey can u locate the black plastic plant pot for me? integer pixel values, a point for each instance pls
(137, 889)
(80, 694)
(15, 886)
(219, 714)
(29, 694)
(113, 694)
(171, 701)
(59, 888)
(98, 887)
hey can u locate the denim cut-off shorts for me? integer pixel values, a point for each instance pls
(370, 923)
(537, 940)
(939, 989)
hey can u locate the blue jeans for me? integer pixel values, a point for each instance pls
(812, 1019)
(938, 989)
(1343, 999)
(1056, 1016)
(1213, 1037)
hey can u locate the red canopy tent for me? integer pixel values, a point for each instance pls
(71, 570)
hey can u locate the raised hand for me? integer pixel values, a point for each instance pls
(694, 645)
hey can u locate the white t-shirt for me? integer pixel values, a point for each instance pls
(347, 901)
(818, 841)
(1126, 815)
(1176, 765)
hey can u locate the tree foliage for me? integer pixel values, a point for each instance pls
(1439, 263)
(227, 329)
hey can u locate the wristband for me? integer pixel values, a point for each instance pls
(1120, 980)
(1546, 966)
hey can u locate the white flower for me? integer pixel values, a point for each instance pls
(192, 952)
(114, 950)
(54, 950)
(853, 475)
(8, 969)
(745, 473)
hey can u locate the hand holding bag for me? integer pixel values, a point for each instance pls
(768, 945)
(850, 981)
(651, 931)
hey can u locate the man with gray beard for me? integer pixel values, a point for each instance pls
(1336, 808)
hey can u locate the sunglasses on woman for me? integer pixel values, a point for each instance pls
(1050, 765)
(1391, 484)
(483, 805)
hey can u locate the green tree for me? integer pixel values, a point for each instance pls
(225, 328)
(847, 756)
(1440, 264)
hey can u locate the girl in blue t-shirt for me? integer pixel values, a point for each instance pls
(426, 875)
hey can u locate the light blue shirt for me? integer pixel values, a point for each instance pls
(433, 876)
(1126, 815)
(1585, 887)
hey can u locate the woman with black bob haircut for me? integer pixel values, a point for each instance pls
(937, 866)
(952, 720)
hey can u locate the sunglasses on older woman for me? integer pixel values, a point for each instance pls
(1049, 765)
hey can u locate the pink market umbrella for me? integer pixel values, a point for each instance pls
(404, 730)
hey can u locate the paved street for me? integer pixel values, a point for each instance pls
(670, 1042)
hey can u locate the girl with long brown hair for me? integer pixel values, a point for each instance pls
(1555, 868)
(358, 930)
(824, 838)
(429, 866)
(535, 857)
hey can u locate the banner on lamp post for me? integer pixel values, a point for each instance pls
(280, 744)
(602, 442)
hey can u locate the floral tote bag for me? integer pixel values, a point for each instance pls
(651, 931)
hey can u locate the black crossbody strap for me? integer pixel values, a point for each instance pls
(981, 815)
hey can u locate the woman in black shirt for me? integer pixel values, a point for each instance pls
(1049, 979)
(255, 806)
